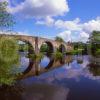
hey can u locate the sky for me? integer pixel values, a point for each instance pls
(73, 20)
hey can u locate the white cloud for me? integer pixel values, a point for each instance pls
(47, 21)
(14, 33)
(69, 25)
(60, 24)
(4, 0)
(83, 36)
(41, 8)
(83, 29)
(69, 36)
(66, 35)
(74, 26)
(92, 25)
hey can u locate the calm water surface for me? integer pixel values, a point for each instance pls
(55, 80)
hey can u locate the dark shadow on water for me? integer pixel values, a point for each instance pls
(33, 92)
(94, 69)
(11, 93)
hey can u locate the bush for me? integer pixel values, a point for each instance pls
(8, 49)
(8, 59)
(57, 55)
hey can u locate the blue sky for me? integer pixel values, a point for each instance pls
(73, 20)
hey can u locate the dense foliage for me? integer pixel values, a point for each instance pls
(44, 48)
(57, 55)
(8, 49)
(23, 47)
(79, 48)
(95, 37)
(95, 43)
(59, 39)
(8, 59)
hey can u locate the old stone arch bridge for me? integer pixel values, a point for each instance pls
(36, 43)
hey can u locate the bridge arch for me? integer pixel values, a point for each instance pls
(50, 47)
(62, 48)
(26, 46)
(27, 40)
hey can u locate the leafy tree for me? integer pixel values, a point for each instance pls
(78, 45)
(95, 43)
(8, 59)
(95, 37)
(8, 47)
(59, 39)
(6, 19)
(23, 47)
(44, 48)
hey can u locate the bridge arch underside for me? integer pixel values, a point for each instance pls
(27, 45)
(62, 48)
(48, 46)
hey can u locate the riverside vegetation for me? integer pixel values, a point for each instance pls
(9, 58)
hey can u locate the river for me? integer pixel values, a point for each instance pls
(67, 79)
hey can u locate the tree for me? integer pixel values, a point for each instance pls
(95, 37)
(95, 43)
(8, 48)
(59, 39)
(44, 48)
(9, 58)
(6, 19)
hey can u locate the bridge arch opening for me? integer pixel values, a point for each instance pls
(62, 48)
(47, 47)
(25, 46)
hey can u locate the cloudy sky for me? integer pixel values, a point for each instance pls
(73, 20)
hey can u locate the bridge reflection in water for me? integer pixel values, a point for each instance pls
(65, 79)
(37, 68)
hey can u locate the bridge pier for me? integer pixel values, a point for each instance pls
(36, 46)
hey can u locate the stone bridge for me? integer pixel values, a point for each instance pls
(37, 42)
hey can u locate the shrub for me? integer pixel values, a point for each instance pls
(58, 55)
(8, 59)
(8, 49)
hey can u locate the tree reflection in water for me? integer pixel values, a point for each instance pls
(34, 91)
(62, 73)
(94, 69)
